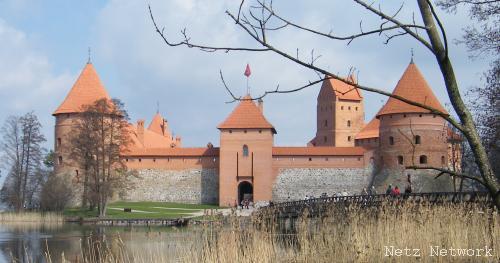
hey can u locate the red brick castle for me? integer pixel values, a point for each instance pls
(345, 155)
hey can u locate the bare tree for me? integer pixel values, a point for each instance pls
(101, 136)
(23, 155)
(261, 20)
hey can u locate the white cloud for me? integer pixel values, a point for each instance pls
(187, 83)
(26, 79)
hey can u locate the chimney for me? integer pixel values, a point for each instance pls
(260, 104)
(140, 131)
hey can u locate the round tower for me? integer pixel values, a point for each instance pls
(411, 135)
(86, 90)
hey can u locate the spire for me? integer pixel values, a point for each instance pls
(411, 61)
(89, 61)
(411, 86)
(157, 107)
(87, 89)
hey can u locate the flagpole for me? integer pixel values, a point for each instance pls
(248, 88)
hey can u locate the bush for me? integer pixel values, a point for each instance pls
(56, 194)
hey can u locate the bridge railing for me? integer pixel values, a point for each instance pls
(431, 197)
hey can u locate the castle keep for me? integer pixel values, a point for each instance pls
(346, 154)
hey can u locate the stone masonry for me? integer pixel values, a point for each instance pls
(297, 183)
(194, 186)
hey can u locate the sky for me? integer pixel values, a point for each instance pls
(44, 45)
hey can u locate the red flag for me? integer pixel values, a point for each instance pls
(248, 71)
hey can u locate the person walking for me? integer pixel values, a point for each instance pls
(389, 190)
(395, 192)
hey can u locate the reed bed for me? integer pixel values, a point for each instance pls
(344, 233)
(31, 217)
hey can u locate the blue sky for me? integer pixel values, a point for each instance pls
(43, 47)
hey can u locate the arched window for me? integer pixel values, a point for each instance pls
(348, 123)
(391, 140)
(417, 139)
(400, 159)
(423, 159)
(245, 150)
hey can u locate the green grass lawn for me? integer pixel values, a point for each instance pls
(142, 210)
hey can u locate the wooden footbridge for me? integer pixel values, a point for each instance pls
(318, 206)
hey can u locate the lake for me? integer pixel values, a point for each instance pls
(30, 243)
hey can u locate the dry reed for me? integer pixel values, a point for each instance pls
(345, 233)
(31, 217)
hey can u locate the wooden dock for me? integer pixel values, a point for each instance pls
(130, 222)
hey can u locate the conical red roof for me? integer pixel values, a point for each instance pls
(340, 89)
(371, 130)
(246, 116)
(411, 86)
(86, 90)
(159, 125)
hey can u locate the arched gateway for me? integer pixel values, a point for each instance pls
(245, 191)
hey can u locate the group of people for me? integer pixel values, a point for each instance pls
(396, 192)
(246, 203)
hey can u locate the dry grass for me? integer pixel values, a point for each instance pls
(31, 217)
(344, 234)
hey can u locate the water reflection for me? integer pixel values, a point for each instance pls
(27, 243)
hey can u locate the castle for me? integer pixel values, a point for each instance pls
(345, 155)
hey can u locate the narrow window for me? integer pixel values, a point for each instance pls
(326, 123)
(230, 131)
(423, 159)
(245, 131)
(356, 108)
(442, 160)
(126, 160)
(60, 160)
(310, 159)
(260, 131)
(325, 138)
(348, 123)
(349, 108)
(417, 139)
(348, 138)
(140, 160)
(342, 107)
(420, 115)
(400, 159)
(245, 150)
(391, 140)
(154, 160)
(58, 142)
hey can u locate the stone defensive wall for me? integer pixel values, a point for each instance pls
(312, 171)
(184, 175)
(191, 175)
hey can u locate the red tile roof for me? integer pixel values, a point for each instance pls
(175, 152)
(318, 151)
(159, 125)
(246, 116)
(371, 130)
(411, 86)
(342, 90)
(86, 90)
